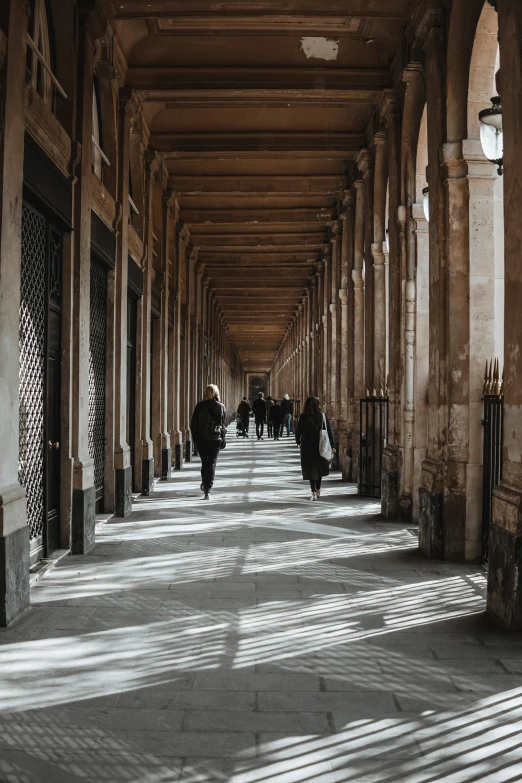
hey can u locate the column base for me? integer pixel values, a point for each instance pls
(390, 484)
(188, 451)
(431, 542)
(166, 459)
(83, 520)
(147, 476)
(14, 575)
(178, 456)
(504, 593)
(123, 491)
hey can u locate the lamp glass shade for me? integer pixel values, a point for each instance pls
(426, 203)
(491, 134)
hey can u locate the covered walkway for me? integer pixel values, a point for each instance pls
(258, 638)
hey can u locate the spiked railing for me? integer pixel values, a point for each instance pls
(493, 396)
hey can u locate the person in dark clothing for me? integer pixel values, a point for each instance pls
(208, 431)
(307, 435)
(243, 411)
(275, 417)
(288, 411)
(259, 408)
(269, 402)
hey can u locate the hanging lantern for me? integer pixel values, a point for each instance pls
(491, 134)
(426, 203)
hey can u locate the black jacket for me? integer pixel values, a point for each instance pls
(276, 415)
(287, 406)
(207, 421)
(307, 436)
(243, 409)
(259, 408)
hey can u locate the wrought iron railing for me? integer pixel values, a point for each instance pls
(493, 397)
(373, 429)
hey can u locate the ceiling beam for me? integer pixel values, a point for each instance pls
(198, 98)
(262, 141)
(159, 77)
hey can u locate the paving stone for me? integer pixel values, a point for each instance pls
(227, 641)
(360, 703)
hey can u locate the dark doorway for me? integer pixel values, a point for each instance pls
(97, 375)
(40, 374)
(132, 315)
(256, 384)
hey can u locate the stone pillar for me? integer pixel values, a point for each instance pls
(334, 346)
(152, 164)
(311, 334)
(346, 355)
(365, 166)
(319, 271)
(358, 324)
(14, 532)
(326, 330)
(122, 453)
(505, 541)
(168, 214)
(391, 465)
(83, 505)
(379, 286)
(432, 477)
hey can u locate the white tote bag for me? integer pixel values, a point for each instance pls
(325, 447)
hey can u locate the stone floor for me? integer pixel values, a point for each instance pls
(258, 638)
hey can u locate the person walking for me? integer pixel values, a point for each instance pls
(269, 428)
(243, 411)
(275, 416)
(208, 432)
(259, 408)
(288, 412)
(307, 437)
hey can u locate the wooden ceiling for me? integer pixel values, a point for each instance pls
(260, 107)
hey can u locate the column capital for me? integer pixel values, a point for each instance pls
(343, 296)
(380, 139)
(364, 161)
(348, 201)
(389, 105)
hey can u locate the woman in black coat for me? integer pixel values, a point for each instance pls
(307, 435)
(208, 431)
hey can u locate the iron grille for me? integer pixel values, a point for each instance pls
(492, 459)
(373, 432)
(33, 315)
(97, 363)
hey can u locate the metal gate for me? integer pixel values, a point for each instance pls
(97, 375)
(33, 323)
(39, 377)
(373, 433)
(492, 446)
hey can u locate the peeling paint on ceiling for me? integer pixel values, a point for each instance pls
(320, 48)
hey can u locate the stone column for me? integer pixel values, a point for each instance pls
(83, 505)
(311, 333)
(365, 166)
(346, 355)
(334, 346)
(14, 532)
(432, 477)
(379, 284)
(505, 541)
(358, 324)
(152, 164)
(122, 453)
(319, 270)
(391, 467)
(168, 214)
(326, 331)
